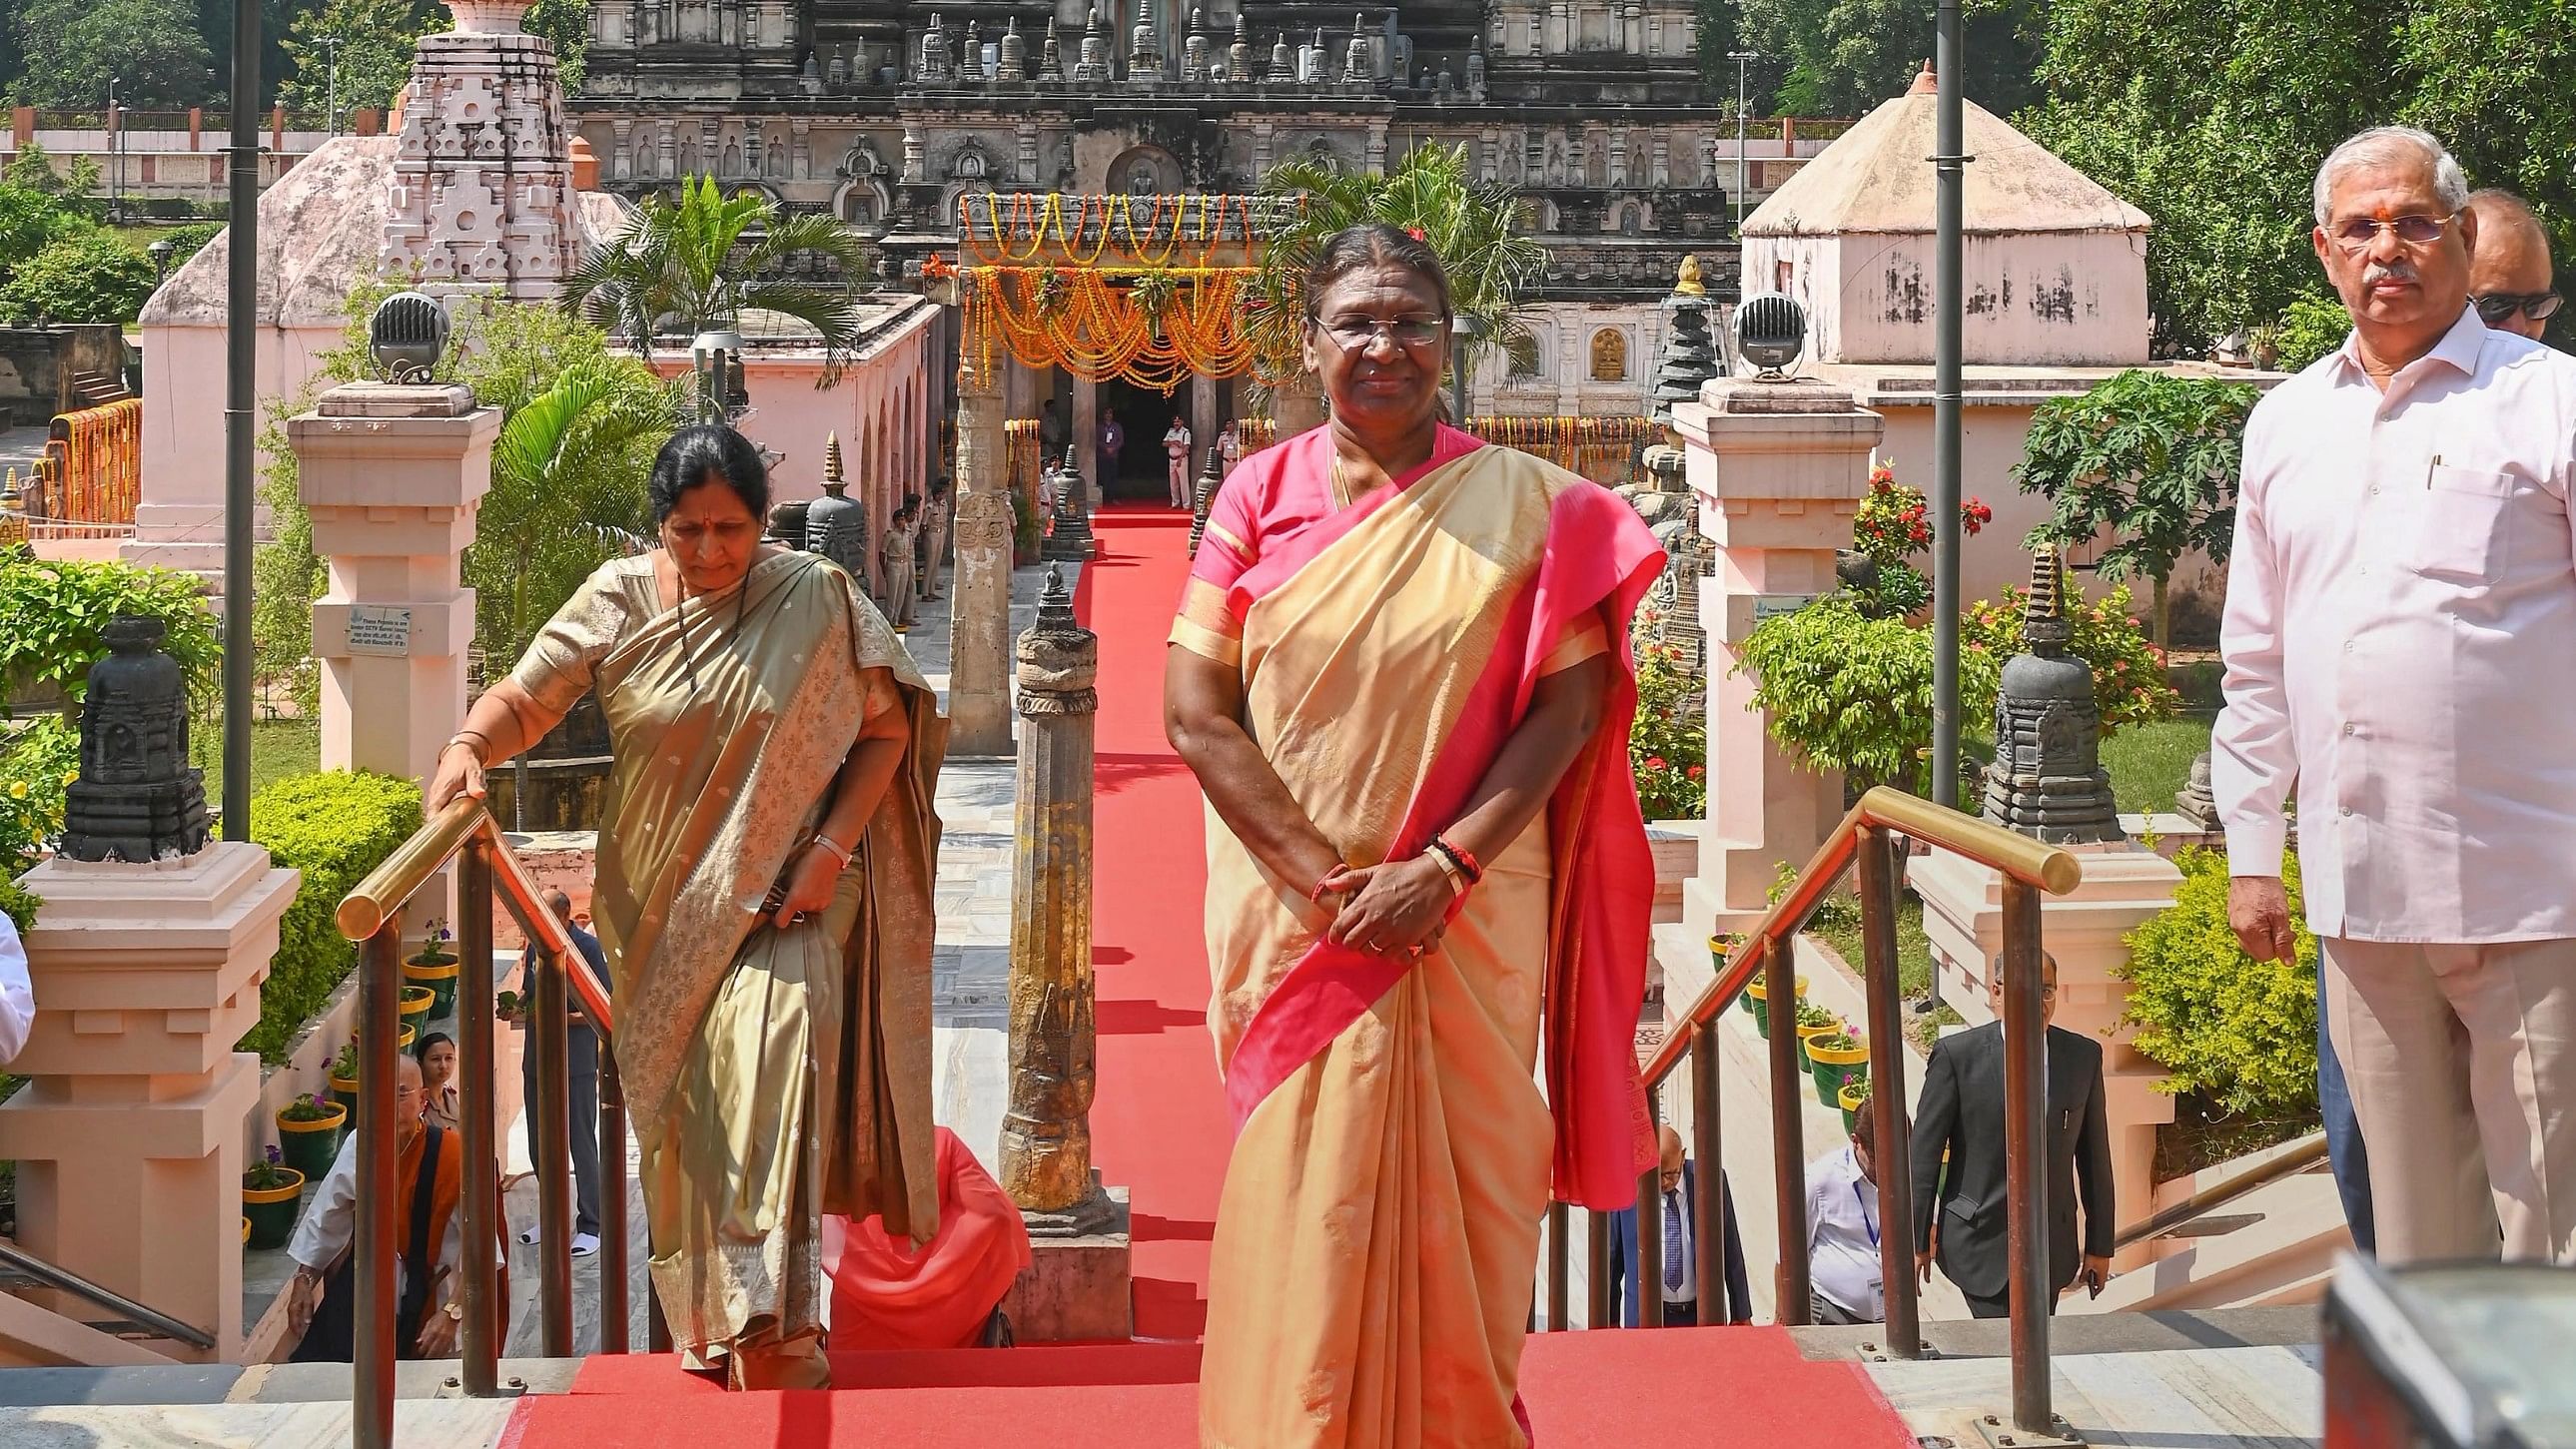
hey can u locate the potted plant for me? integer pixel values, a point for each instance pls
(1853, 1098)
(270, 1193)
(344, 1075)
(505, 1007)
(1718, 946)
(1754, 993)
(1833, 1056)
(434, 966)
(1813, 1020)
(308, 1128)
(417, 1002)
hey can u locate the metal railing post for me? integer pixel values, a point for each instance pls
(1560, 1268)
(612, 1205)
(553, 1144)
(657, 1328)
(1708, 1240)
(486, 1316)
(1788, 1132)
(1891, 1159)
(1646, 1285)
(372, 1266)
(1596, 1242)
(2025, 1180)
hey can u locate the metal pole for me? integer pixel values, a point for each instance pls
(1788, 1132)
(1560, 1268)
(1890, 1161)
(2025, 1181)
(554, 1153)
(1950, 211)
(1741, 58)
(371, 1412)
(612, 1204)
(485, 1325)
(1646, 1285)
(331, 68)
(115, 159)
(241, 428)
(1596, 1243)
(1708, 1242)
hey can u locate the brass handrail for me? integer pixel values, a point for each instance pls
(63, 1280)
(464, 832)
(2298, 1156)
(1866, 836)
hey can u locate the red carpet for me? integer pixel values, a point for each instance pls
(1158, 1123)
(1707, 1388)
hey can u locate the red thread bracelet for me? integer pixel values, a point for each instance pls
(1458, 856)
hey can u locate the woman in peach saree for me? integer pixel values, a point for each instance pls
(1401, 675)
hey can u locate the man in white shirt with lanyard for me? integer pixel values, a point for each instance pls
(2400, 639)
(1842, 1231)
(17, 995)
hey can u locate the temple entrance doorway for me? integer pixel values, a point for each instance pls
(1144, 413)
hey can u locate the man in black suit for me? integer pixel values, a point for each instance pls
(1684, 1295)
(1960, 1214)
(581, 1076)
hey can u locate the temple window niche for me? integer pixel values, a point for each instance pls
(1609, 355)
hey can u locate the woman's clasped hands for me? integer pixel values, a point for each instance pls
(1396, 910)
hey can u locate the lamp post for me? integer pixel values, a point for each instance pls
(115, 156)
(717, 355)
(331, 82)
(241, 429)
(1742, 58)
(160, 252)
(1462, 339)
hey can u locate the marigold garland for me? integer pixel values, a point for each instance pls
(1015, 229)
(1079, 320)
(1602, 449)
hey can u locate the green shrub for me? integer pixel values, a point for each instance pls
(89, 276)
(2130, 686)
(52, 613)
(2311, 328)
(2239, 1031)
(38, 762)
(19, 904)
(1848, 692)
(334, 826)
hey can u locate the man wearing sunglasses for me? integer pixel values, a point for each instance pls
(2401, 616)
(2509, 274)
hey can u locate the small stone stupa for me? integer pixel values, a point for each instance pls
(2047, 780)
(1071, 539)
(1690, 356)
(137, 799)
(836, 525)
(1211, 478)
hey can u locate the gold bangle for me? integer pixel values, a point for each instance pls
(459, 739)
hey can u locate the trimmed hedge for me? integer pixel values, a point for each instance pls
(2239, 1031)
(334, 826)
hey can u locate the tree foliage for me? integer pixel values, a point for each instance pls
(1851, 693)
(1844, 57)
(2149, 456)
(1473, 227)
(73, 48)
(682, 268)
(376, 38)
(87, 276)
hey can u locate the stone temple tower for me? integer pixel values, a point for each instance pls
(482, 195)
(2047, 779)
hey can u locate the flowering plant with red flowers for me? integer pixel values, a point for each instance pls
(1668, 743)
(2129, 682)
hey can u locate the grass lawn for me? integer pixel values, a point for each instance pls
(278, 748)
(1913, 955)
(2148, 763)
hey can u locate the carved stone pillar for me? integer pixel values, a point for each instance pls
(1080, 1282)
(1046, 1132)
(978, 698)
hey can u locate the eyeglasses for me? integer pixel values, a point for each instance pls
(2496, 307)
(1353, 333)
(2356, 233)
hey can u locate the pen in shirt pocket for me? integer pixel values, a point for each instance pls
(2430, 469)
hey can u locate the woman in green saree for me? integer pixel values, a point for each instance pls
(763, 895)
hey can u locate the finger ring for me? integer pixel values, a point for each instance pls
(797, 919)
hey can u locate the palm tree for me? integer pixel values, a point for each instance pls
(1473, 227)
(675, 270)
(566, 493)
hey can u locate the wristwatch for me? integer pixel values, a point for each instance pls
(455, 1312)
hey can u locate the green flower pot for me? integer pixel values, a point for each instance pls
(272, 1212)
(440, 977)
(1830, 1065)
(310, 1146)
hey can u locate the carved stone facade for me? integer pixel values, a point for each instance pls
(880, 114)
(482, 192)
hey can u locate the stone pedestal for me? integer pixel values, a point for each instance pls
(128, 1135)
(1079, 1285)
(979, 702)
(1778, 469)
(392, 476)
(2123, 886)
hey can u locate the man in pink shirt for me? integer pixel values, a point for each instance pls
(2401, 647)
